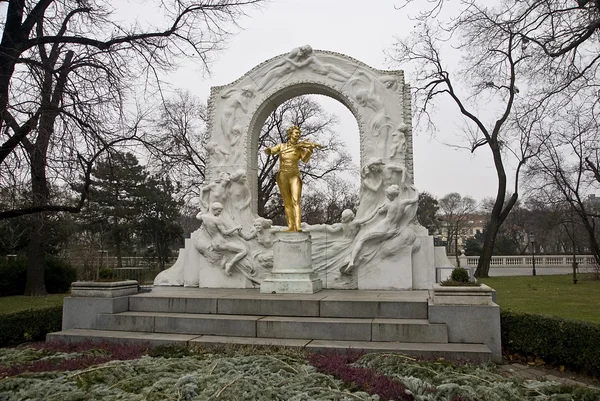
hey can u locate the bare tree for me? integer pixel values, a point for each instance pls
(177, 143)
(316, 125)
(566, 171)
(557, 27)
(65, 68)
(86, 27)
(325, 204)
(493, 57)
(457, 212)
(178, 147)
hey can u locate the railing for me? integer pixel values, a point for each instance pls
(111, 261)
(583, 261)
(140, 268)
(140, 274)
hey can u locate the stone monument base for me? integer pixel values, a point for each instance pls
(291, 283)
(292, 266)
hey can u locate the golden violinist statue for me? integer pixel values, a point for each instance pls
(288, 177)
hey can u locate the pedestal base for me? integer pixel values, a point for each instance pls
(291, 283)
(292, 266)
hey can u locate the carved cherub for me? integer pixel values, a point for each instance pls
(217, 231)
(398, 214)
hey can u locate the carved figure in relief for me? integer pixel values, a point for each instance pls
(215, 191)
(219, 154)
(394, 174)
(380, 123)
(371, 192)
(397, 141)
(348, 226)
(235, 107)
(397, 217)
(217, 231)
(298, 58)
(240, 197)
(236, 134)
(240, 193)
(288, 178)
(366, 96)
(236, 147)
(390, 81)
(307, 58)
(280, 70)
(264, 232)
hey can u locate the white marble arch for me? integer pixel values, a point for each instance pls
(379, 99)
(380, 102)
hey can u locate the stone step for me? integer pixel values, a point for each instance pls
(451, 351)
(180, 323)
(343, 304)
(120, 337)
(470, 352)
(409, 330)
(323, 328)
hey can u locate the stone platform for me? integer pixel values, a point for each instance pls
(388, 321)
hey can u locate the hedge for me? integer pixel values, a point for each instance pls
(58, 276)
(29, 325)
(572, 343)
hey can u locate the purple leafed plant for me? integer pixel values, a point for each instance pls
(339, 366)
(111, 352)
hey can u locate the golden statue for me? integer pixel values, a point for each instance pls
(288, 177)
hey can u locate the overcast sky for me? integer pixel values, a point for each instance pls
(364, 32)
(358, 30)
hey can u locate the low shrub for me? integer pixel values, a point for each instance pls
(460, 275)
(107, 274)
(13, 273)
(29, 325)
(452, 283)
(58, 276)
(558, 341)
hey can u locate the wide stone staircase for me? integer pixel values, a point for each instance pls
(373, 321)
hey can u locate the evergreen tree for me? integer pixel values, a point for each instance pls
(427, 212)
(159, 225)
(114, 200)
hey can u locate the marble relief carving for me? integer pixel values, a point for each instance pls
(234, 245)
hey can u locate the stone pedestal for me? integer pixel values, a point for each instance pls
(292, 266)
(388, 273)
(467, 295)
(104, 289)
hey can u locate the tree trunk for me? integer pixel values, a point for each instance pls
(38, 154)
(592, 238)
(483, 266)
(37, 246)
(118, 249)
(456, 248)
(498, 215)
(35, 285)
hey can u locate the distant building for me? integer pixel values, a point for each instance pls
(593, 203)
(468, 225)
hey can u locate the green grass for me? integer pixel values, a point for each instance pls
(19, 302)
(549, 295)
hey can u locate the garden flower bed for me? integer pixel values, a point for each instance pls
(83, 372)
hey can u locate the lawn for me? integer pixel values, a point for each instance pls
(550, 295)
(20, 302)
